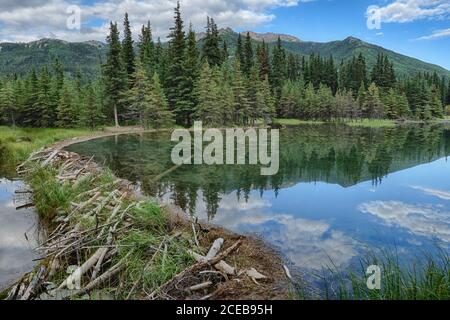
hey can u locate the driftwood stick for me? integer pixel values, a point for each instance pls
(25, 206)
(100, 207)
(50, 158)
(87, 203)
(200, 286)
(80, 271)
(195, 235)
(215, 248)
(103, 253)
(105, 276)
(81, 195)
(23, 191)
(34, 284)
(225, 268)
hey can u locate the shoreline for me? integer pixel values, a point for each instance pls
(252, 252)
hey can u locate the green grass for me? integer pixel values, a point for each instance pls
(427, 278)
(150, 241)
(16, 144)
(295, 122)
(369, 123)
(52, 197)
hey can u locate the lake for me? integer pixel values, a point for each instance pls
(340, 190)
(19, 233)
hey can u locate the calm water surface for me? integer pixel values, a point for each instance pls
(18, 234)
(339, 191)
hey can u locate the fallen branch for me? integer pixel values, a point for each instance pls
(200, 286)
(34, 284)
(215, 248)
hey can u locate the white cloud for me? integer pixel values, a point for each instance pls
(418, 219)
(16, 252)
(403, 11)
(34, 19)
(437, 34)
(445, 195)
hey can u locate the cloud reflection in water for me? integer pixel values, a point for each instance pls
(309, 244)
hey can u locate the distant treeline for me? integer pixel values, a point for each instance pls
(158, 85)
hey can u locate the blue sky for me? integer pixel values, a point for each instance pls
(418, 28)
(329, 20)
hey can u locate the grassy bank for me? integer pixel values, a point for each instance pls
(16, 144)
(426, 278)
(369, 123)
(152, 236)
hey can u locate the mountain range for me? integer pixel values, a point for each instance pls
(88, 56)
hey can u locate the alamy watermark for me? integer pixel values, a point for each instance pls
(373, 18)
(230, 149)
(73, 21)
(373, 274)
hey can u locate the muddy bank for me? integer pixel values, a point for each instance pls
(106, 241)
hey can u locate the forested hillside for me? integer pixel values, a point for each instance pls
(217, 80)
(20, 58)
(88, 56)
(341, 51)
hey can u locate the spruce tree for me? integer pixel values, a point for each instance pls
(325, 106)
(255, 98)
(390, 104)
(20, 99)
(263, 60)
(114, 73)
(383, 74)
(31, 114)
(128, 55)
(226, 98)
(176, 76)
(403, 109)
(186, 106)
(8, 108)
(58, 80)
(67, 115)
(436, 108)
(331, 78)
(207, 93)
(240, 51)
(211, 47)
(157, 113)
(161, 61)
(288, 103)
(310, 103)
(225, 53)
(247, 63)
(373, 107)
(268, 112)
(241, 103)
(278, 69)
(147, 50)
(43, 105)
(136, 98)
(91, 115)
(361, 97)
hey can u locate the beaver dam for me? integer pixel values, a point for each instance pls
(106, 241)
